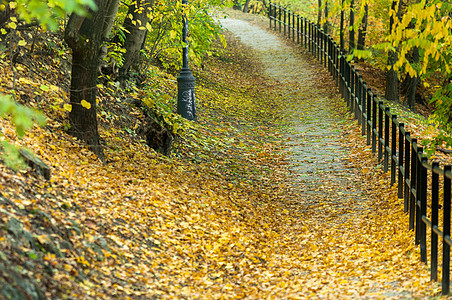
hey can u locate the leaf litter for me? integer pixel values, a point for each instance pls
(227, 215)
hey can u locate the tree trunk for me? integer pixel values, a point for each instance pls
(342, 37)
(392, 80)
(134, 36)
(245, 8)
(351, 42)
(83, 87)
(319, 14)
(326, 25)
(84, 36)
(5, 14)
(412, 82)
(363, 30)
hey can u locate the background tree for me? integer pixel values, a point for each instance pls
(351, 41)
(319, 12)
(85, 35)
(342, 25)
(392, 80)
(326, 24)
(362, 31)
(245, 7)
(135, 26)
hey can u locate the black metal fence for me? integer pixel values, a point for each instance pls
(420, 182)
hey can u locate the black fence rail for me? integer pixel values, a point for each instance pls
(420, 182)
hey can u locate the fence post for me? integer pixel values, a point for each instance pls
(362, 93)
(329, 54)
(374, 123)
(285, 21)
(340, 74)
(352, 88)
(305, 32)
(445, 282)
(288, 24)
(401, 155)
(434, 236)
(317, 41)
(348, 83)
(325, 49)
(423, 206)
(274, 13)
(386, 140)
(270, 13)
(293, 27)
(369, 116)
(393, 148)
(407, 181)
(279, 18)
(413, 179)
(380, 130)
(298, 30)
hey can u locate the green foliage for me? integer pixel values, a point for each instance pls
(161, 105)
(47, 12)
(164, 32)
(23, 119)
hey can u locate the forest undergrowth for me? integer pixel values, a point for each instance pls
(210, 221)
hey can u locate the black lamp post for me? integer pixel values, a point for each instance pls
(186, 82)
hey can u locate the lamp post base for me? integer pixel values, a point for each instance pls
(186, 95)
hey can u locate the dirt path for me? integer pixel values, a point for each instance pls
(346, 251)
(317, 155)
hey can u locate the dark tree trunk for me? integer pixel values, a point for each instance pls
(351, 42)
(134, 36)
(412, 82)
(5, 14)
(319, 14)
(392, 80)
(83, 87)
(363, 30)
(342, 31)
(326, 25)
(245, 8)
(85, 36)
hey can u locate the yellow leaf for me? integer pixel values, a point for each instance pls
(85, 104)
(68, 107)
(22, 43)
(12, 25)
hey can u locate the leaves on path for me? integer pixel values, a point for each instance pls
(218, 219)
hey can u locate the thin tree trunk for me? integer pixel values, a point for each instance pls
(327, 24)
(5, 14)
(134, 36)
(351, 42)
(412, 82)
(245, 8)
(342, 31)
(363, 30)
(319, 14)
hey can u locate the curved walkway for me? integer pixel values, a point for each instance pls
(346, 250)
